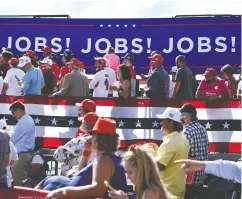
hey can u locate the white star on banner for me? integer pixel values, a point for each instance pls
(5, 119)
(155, 124)
(101, 25)
(208, 125)
(138, 124)
(109, 25)
(226, 125)
(36, 120)
(54, 122)
(117, 25)
(134, 25)
(70, 122)
(121, 123)
(125, 25)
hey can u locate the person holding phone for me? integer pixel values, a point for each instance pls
(13, 77)
(143, 173)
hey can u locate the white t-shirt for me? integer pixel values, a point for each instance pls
(13, 156)
(100, 77)
(1, 84)
(10, 79)
(111, 76)
(239, 88)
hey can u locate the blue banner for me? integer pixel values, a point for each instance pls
(205, 41)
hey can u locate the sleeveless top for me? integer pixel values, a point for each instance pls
(117, 181)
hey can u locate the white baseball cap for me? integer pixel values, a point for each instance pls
(3, 125)
(174, 69)
(23, 60)
(46, 61)
(172, 114)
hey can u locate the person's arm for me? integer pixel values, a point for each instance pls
(103, 169)
(93, 84)
(177, 82)
(221, 168)
(65, 87)
(14, 153)
(199, 94)
(225, 91)
(87, 88)
(18, 133)
(164, 156)
(224, 169)
(26, 84)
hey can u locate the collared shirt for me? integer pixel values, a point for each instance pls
(224, 169)
(158, 83)
(33, 81)
(197, 136)
(23, 136)
(175, 146)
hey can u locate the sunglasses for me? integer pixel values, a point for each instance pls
(13, 111)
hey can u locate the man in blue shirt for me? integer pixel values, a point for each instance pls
(159, 82)
(23, 139)
(33, 80)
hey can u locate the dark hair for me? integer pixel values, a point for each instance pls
(125, 72)
(177, 126)
(17, 105)
(181, 58)
(107, 143)
(8, 55)
(227, 69)
(111, 50)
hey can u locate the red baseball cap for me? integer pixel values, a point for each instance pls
(210, 72)
(77, 63)
(90, 118)
(104, 126)
(87, 104)
(46, 49)
(156, 58)
(100, 60)
(13, 61)
(30, 53)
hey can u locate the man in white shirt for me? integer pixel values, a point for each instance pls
(101, 81)
(13, 76)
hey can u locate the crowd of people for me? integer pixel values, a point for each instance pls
(92, 167)
(29, 75)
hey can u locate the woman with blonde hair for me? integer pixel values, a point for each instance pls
(143, 173)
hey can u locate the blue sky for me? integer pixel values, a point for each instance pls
(121, 8)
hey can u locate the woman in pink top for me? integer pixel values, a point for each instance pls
(113, 59)
(212, 87)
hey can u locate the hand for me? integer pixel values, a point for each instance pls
(191, 165)
(118, 195)
(57, 194)
(113, 88)
(88, 145)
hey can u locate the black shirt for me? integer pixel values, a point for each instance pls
(50, 82)
(184, 76)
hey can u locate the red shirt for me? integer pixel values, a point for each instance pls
(64, 70)
(216, 89)
(56, 70)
